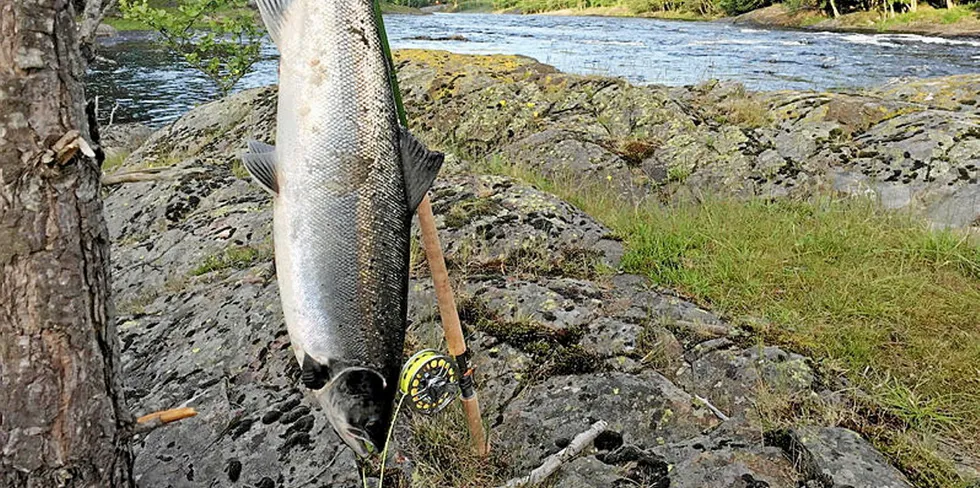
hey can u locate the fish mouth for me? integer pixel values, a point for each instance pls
(358, 407)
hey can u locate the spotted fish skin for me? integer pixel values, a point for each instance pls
(346, 179)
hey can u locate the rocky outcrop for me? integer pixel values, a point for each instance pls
(912, 145)
(559, 338)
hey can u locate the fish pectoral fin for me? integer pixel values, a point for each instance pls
(420, 166)
(273, 13)
(259, 147)
(260, 162)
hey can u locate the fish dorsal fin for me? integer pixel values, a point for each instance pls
(273, 13)
(420, 166)
(260, 161)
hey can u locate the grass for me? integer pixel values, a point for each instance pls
(233, 258)
(874, 296)
(475, 6)
(960, 15)
(929, 15)
(439, 448)
(121, 24)
(114, 161)
(742, 109)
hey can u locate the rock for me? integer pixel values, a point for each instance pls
(916, 144)
(958, 93)
(493, 221)
(646, 408)
(558, 338)
(119, 140)
(838, 458)
(731, 378)
(106, 30)
(734, 454)
(608, 440)
(454, 37)
(586, 471)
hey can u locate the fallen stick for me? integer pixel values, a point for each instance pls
(708, 330)
(154, 420)
(147, 175)
(554, 461)
(718, 413)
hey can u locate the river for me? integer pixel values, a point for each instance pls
(142, 82)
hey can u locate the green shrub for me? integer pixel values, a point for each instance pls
(219, 38)
(736, 7)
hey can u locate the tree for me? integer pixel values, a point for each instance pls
(92, 15)
(220, 38)
(63, 420)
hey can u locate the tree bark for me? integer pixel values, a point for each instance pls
(833, 8)
(63, 420)
(950, 3)
(92, 16)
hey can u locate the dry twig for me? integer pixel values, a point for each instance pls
(555, 461)
(149, 174)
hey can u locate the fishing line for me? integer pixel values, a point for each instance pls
(391, 429)
(392, 78)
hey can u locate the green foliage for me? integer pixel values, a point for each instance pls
(411, 3)
(706, 9)
(233, 257)
(800, 5)
(929, 15)
(736, 7)
(220, 38)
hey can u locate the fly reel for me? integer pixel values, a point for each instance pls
(431, 381)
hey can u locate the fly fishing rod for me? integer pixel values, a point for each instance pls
(430, 378)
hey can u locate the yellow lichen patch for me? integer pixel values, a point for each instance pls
(443, 60)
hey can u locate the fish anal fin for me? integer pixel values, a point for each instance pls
(260, 162)
(420, 166)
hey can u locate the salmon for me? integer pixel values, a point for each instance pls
(346, 179)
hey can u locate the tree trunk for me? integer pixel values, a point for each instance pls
(833, 8)
(63, 421)
(92, 16)
(913, 5)
(950, 3)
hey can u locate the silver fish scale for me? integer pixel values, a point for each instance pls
(341, 215)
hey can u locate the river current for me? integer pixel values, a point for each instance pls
(145, 83)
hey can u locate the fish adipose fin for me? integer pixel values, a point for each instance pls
(420, 166)
(260, 161)
(273, 12)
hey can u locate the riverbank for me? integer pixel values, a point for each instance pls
(961, 20)
(956, 22)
